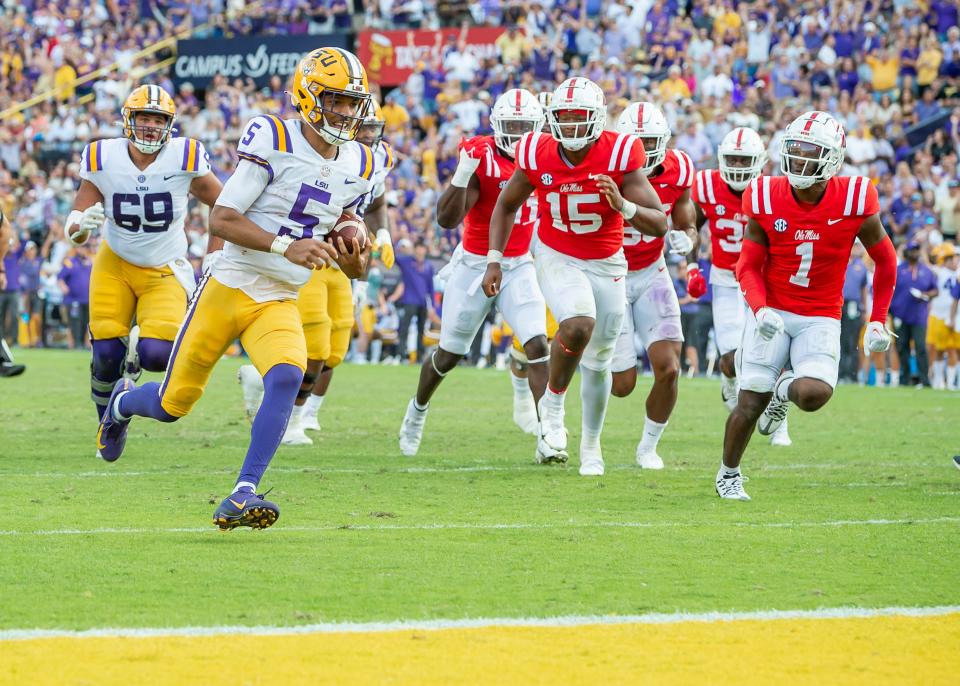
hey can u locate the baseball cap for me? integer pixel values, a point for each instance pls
(912, 245)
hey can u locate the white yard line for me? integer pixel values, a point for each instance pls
(441, 526)
(477, 623)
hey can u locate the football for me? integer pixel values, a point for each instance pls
(348, 227)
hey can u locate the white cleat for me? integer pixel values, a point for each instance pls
(252, 386)
(551, 438)
(131, 364)
(525, 414)
(730, 487)
(591, 461)
(309, 422)
(781, 437)
(295, 436)
(411, 430)
(776, 412)
(648, 459)
(728, 393)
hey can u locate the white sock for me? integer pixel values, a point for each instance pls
(554, 401)
(418, 407)
(244, 486)
(312, 406)
(952, 377)
(594, 395)
(651, 435)
(729, 383)
(894, 378)
(115, 410)
(783, 391)
(521, 387)
(729, 471)
(938, 368)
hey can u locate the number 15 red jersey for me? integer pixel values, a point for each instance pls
(809, 244)
(575, 217)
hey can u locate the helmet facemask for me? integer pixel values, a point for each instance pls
(336, 116)
(508, 132)
(805, 163)
(738, 169)
(147, 138)
(371, 133)
(655, 148)
(576, 128)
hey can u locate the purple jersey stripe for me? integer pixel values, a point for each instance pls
(276, 133)
(250, 157)
(286, 136)
(204, 280)
(186, 155)
(99, 160)
(89, 157)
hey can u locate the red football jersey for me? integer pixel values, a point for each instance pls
(577, 219)
(677, 176)
(725, 218)
(809, 244)
(493, 173)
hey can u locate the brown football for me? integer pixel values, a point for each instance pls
(348, 227)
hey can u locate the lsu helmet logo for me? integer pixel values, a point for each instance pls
(780, 225)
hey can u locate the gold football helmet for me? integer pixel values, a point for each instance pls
(148, 99)
(331, 94)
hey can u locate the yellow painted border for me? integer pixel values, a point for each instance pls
(877, 650)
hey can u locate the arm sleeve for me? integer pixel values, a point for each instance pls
(884, 278)
(244, 187)
(753, 256)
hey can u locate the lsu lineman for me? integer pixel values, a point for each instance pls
(139, 184)
(294, 179)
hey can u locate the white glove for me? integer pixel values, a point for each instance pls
(210, 259)
(86, 222)
(469, 161)
(919, 295)
(769, 323)
(680, 242)
(876, 338)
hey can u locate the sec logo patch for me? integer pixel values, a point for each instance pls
(721, 210)
(780, 225)
(546, 179)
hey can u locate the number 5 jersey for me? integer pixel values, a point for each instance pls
(145, 209)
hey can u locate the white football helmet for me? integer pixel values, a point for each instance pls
(515, 113)
(645, 121)
(580, 95)
(812, 149)
(742, 156)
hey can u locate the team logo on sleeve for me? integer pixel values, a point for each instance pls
(780, 225)
(721, 210)
(546, 179)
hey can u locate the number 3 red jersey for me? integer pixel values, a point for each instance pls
(493, 173)
(809, 244)
(727, 222)
(677, 176)
(576, 218)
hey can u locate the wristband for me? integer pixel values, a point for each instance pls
(628, 210)
(383, 237)
(494, 256)
(461, 177)
(280, 244)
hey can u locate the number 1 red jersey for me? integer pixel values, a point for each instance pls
(493, 173)
(809, 244)
(727, 222)
(677, 176)
(576, 218)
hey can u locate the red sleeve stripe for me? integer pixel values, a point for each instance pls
(522, 151)
(755, 197)
(708, 175)
(851, 190)
(767, 205)
(532, 150)
(862, 198)
(488, 163)
(495, 166)
(627, 149)
(699, 191)
(685, 178)
(614, 156)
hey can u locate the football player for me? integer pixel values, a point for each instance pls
(800, 229)
(717, 195)
(485, 165)
(652, 309)
(136, 187)
(942, 341)
(589, 182)
(293, 182)
(7, 366)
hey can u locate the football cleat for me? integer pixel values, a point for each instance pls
(131, 364)
(591, 461)
(243, 508)
(411, 430)
(648, 459)
(294, 434)
(552, 437)
(730, 487)
(776, 412)
(728, 393)
(112, 433)
(10, 369)
(781, 437)
(309, 421)
(251, 383)
(525, 414)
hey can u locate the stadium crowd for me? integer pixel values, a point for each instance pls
(888, 69)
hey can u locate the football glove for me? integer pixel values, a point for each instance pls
(471, 152)
(876, 338)
(769, 323)
(385, 246)
(86, 222)
(696, 284)
(680, 242)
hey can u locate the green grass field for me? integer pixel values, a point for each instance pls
(862, 511)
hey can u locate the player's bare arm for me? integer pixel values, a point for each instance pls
(685, 219)
(880, 248)
(637, 195)
(230, 225)
(701, 217)
(514, 194)
(455, 202)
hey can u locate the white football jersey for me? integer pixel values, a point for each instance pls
(303, 197)
(385, 161)
(145, 209)
(940, 305)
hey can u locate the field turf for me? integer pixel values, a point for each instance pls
(861, 512)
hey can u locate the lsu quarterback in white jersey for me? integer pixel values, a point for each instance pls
(294, 180)
(136, 188)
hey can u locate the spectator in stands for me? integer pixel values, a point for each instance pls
(916, 285)
(74, 280)
(414, 295)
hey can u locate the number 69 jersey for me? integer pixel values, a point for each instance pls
(145, 209)
(809, 244)
(286, 188)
